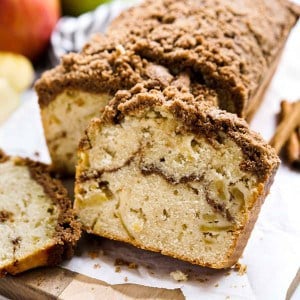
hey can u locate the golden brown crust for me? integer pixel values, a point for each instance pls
(135, 243)
(243, 234)
(68, 229)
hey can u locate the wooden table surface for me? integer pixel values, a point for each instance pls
(58, 283)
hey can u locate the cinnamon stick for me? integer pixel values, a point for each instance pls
(289, 123)
(293, 151)
(292, 146)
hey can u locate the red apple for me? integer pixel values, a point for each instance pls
(26, 25)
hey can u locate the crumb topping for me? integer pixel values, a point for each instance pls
(226, 45)
(197, 117)
(229, 45)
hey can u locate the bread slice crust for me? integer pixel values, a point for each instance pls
(67, 229)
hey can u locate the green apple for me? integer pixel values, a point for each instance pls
(78, 7)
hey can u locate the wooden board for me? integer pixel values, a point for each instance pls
(58, 283)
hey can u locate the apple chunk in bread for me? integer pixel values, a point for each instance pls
(168, 174)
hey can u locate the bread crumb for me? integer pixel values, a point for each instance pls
(179, 276)
(240, 268)
(227, 273)
(122, 262)
(132, 266)
(216, 285)
(93, 254)
(97, 266)
(126, 279)
(117, 269)
(202, 279)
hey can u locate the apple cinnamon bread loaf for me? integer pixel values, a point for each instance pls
(171, 174)
(231, 46)
(37, 224)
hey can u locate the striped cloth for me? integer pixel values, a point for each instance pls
(70, 34)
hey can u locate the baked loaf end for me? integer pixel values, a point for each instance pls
(37, 224)
(76, 91)
(170, 174)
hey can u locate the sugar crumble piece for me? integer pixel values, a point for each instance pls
(202, 279)
(240, 268)
(122, 262)
(93, 254)
(179, 276)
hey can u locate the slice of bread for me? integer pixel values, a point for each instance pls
(37, 224)
(170, 174)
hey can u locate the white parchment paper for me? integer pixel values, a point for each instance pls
(272, 255)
